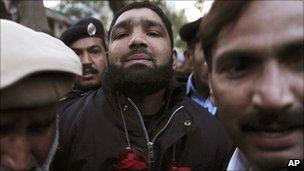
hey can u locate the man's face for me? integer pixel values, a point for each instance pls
(139, 37)
(140, 54)
(182, 67)
(257, 80)
(93, 58)
(200, 70)
(26, 137)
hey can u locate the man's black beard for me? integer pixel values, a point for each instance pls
(138, 80)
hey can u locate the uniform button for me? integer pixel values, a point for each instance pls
(187, 123)
(125, 108)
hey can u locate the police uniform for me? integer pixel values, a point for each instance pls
(88, 27)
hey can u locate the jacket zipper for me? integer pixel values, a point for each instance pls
(151, 143)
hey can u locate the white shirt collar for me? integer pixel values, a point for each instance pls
(195, 96)
(238, 162)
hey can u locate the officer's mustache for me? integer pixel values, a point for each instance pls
(88, 69)
(271, 121)
(139, 50)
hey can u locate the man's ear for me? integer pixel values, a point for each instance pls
(212, 98)
(174, 55)
(187, 54)
(206, 69)
(107, 57)
(174, 59)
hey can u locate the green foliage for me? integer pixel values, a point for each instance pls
(78, 9)
(177, 19)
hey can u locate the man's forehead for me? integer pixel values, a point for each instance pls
(135, 16)
(274, 12)
(264, 24)
(86, 43)
(33, 114)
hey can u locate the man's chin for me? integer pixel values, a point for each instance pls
(135, 63)
(269, 161)
(262, 159)
(138, 66)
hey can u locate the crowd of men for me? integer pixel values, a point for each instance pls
(110, 100)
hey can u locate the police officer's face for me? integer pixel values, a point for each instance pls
(26, 137)
(139, 37)
(257, 80)
(93, 58)
(200, 70)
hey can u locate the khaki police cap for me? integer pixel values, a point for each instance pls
(36, 68)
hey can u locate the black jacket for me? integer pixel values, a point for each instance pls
(92, 134)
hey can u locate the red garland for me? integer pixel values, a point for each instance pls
(134, 160)
(174, 166)
(131, 160)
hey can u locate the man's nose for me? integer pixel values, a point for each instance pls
(138, 41)
(86, 58)
(19, 153)
(271, 91)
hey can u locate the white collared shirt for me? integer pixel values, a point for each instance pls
(192, 92)
(238, 162)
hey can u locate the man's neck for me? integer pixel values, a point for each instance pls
(151, 104)
(201, 88)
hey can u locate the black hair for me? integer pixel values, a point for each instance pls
(221, 14)
(150, 6)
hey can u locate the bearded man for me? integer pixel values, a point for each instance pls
(140, 119)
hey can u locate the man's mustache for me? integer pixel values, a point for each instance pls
(139, 50)
(272, 121)
(88, 69)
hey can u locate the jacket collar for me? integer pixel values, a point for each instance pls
(174, 98)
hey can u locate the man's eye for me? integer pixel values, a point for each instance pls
(95, 51)
(6, 129)
(237, 67)
(295, 60)
(120, 35)
(153, 34)
(77, 52)
(39, 128)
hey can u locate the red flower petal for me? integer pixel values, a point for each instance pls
(130, 159)
(174, 166)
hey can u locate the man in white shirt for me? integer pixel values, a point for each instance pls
(254, 50)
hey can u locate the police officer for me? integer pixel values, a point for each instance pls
(36, 70)
(87, 39)
(197, 84)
